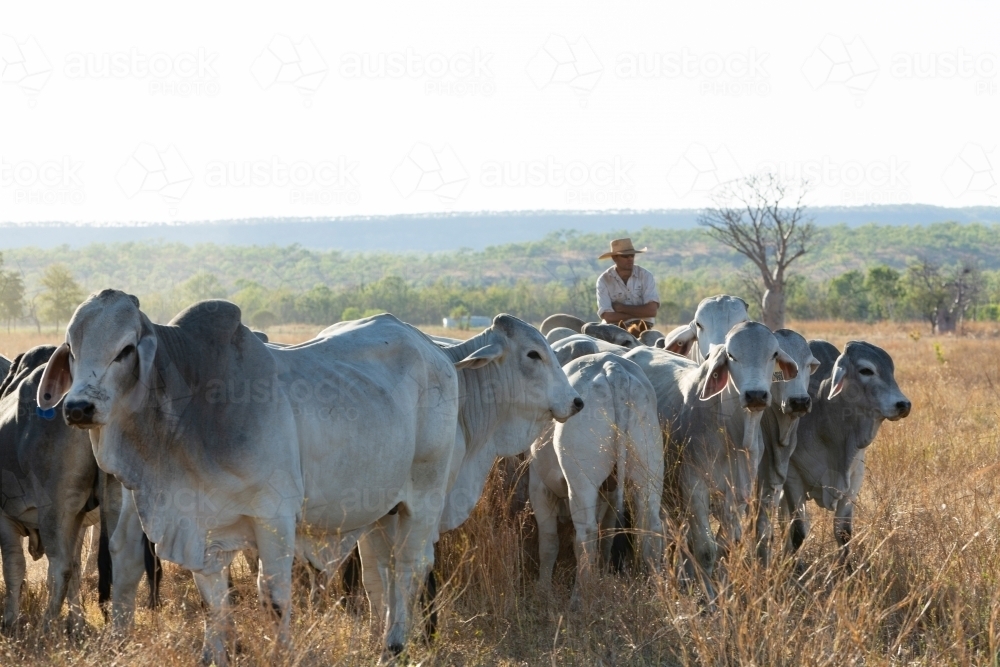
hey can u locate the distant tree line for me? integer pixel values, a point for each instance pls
(942, 295)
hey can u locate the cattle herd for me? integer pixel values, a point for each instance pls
(198, 439)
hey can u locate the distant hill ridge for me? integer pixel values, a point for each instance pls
(566, 257)
(440, 232)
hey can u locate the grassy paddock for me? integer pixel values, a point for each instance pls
(924, 589)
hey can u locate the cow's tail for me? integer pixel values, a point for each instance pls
(104, 569)
(154, 571)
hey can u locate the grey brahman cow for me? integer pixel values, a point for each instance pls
(561, 320)
(610, 333)
(50, 488)
(852, 394)
(710, 412)
(779, 427)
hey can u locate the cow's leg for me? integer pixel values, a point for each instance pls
(110, 493)
(843, 520)
(127, 548)
(75, 621)
(583, 508)
(646, 498)
(843, 528)
(60, 534)
(413, 557)
(276, 548)
(607, 522)
(702, 543)
(545, 507)
(12, 553)
(375, 548)
(214, 589)
(766, 504)
(793, 500)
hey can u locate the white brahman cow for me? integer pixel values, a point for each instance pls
(227, 443)
(713, 319)
(614, 443)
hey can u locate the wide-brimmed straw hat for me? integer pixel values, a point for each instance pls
(621, 247)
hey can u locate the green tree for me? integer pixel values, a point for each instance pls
(11, 295)
(61, 296)
(202, 285)
(847, 297)
(885, 289)
(350, 313)
(263, 320)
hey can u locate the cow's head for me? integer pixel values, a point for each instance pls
(864, 377)
(748, 358)
(526, 369)
(792, 394)
(610, 333)
(107, 359)
(650, 337)
(713, 319)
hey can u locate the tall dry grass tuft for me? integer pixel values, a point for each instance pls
(923, 586)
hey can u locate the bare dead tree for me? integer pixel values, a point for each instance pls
(763, 218)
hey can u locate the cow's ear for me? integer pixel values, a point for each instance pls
(481, 357)
(56, 379)
(718, 373)
(838, 376)
(146, 351)
(679, 340)
(789, 369)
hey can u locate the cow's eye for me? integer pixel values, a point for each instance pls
(534, 355)
(775, 355)
(698, 324)
(127, 350)
(866, 371)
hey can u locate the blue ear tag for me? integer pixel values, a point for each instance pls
(49, 414)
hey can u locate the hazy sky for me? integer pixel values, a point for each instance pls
(193, 111)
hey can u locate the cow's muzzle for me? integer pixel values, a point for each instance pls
(79, 413)
(756, 400)
(574, 409)
(902, 410)
(797, 406)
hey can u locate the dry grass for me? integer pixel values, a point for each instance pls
(924, 589)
